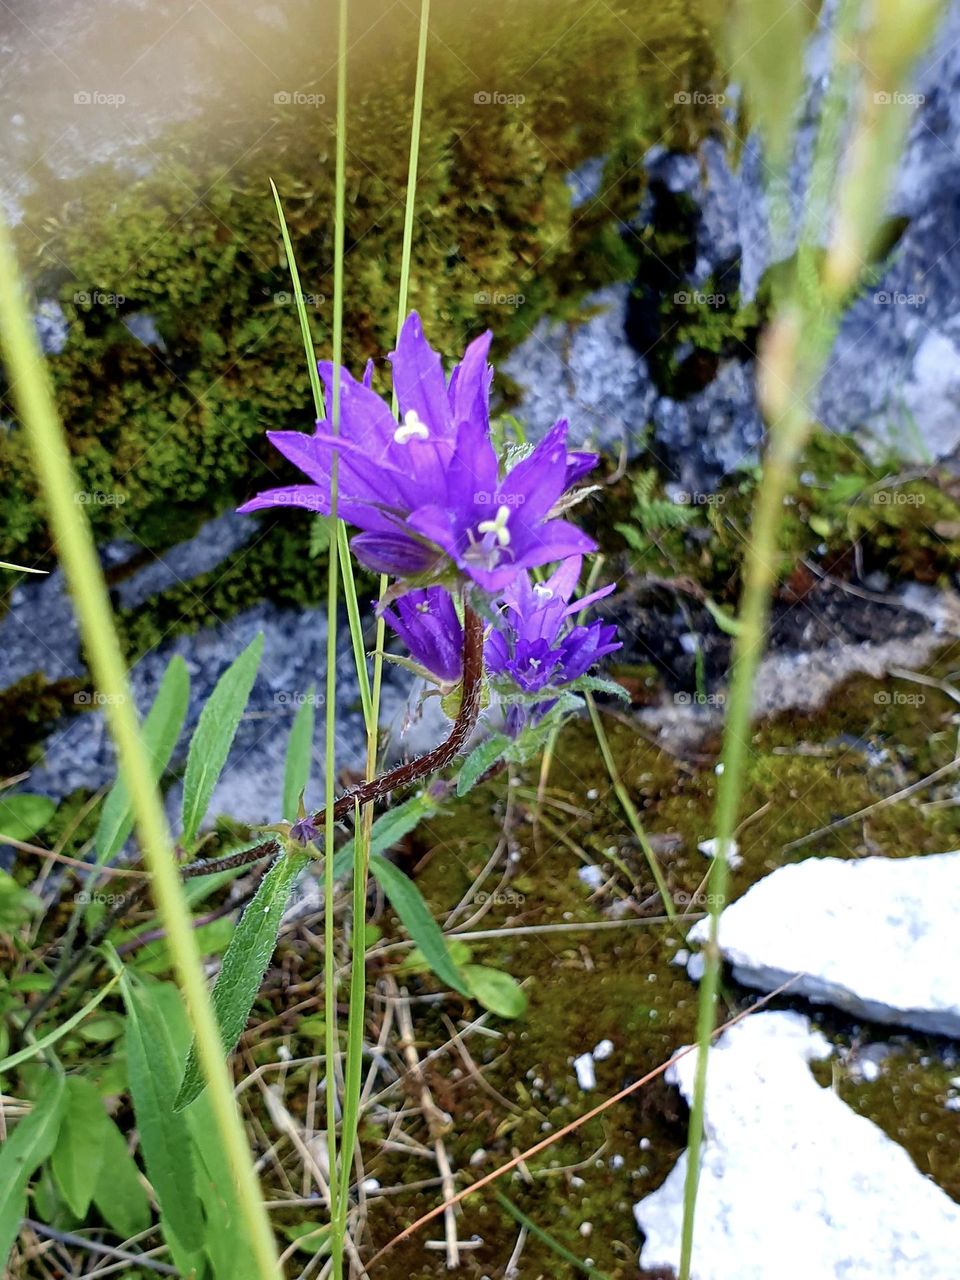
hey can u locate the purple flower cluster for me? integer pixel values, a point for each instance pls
(435, 510)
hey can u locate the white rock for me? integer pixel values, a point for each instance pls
(877, 937)
(603, 1051)
(794, 1184)
(711, 846)
(870, 1071)
(952, 1104)
(586, 1075)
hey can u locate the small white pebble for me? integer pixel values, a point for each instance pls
(955, 1082)
(478, 1157)
(577, 1181)
(603, 1050)
(681, 957)
(645, 1144)
(586, 1076)
(585, 1229)
(616, 1162)
(953, 1104)
(591, 876)
(284, 1054)
(869, 1070)
(370, 1185)
(592, 793)
(718, 769)
(711, 846)
(695, 967)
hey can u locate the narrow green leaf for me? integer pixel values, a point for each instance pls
(226, 1239)
(164, 1137)
(118, 1193)
(22, 816)
(161, 729)
(214, 735)
(479, 761)
(496, 990)
(597, 684)
(244, 964)
(23, 1152)
(730, 625)
(31, 1050)
(296, 769)
(21, 568)
(393, 825)
(409, 905)
(78, 1155)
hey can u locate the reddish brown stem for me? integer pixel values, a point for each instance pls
(364, 793)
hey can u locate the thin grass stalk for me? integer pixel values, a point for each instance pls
(84, 576)
(795, 352)
(339, 1187)
(353, 1081)
(629, 808)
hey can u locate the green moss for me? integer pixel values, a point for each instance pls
(168, 437)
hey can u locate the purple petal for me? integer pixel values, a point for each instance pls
(295, 495)
(555, 541)
(579, 464)
(418, 378)
(470, 381)
(534, 484)
(393, 553)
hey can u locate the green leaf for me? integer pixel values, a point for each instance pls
(17, 905)
(393, 825)
(164, 1137)
(22, 816)
(161, 729)
(214, 735)
(480, 760)
(21, 568)
(409, 905)
(296, 769)
(319, 536)
(725, 621)
(244, 965)
(496, 990)
(597, 684)
(23, 1152)
(118, 1192)
(78, 1155)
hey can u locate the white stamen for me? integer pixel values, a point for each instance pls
(412, 428)
(498, 526)
(543, 591)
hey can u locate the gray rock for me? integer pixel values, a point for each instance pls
(143, 326)
(53, 327)
(876, 937)
(218, 539)
(794, 1184)
(588, 373)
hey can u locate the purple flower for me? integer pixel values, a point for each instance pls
(427, 493)
(534, 645)
(427, 623)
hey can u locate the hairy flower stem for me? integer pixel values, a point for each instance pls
(403, 775)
